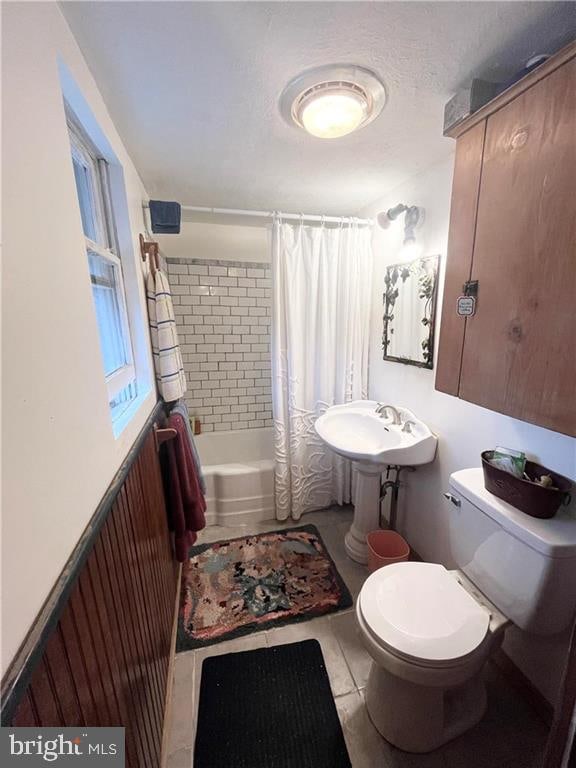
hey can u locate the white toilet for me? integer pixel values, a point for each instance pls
(429, 631)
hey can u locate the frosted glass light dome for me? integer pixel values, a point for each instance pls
(332, 101)
(329, 113)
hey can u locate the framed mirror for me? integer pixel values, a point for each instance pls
(409, 312)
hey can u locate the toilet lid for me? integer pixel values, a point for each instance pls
(421, 611)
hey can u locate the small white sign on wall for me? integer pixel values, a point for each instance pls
(466, 306)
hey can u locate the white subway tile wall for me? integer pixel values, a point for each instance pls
(222, 311)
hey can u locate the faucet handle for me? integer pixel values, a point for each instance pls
(407, 427)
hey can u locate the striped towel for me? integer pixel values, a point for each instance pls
(168, 365)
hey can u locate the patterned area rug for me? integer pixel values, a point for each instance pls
(232, 588)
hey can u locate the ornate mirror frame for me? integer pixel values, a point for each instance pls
(424, 269)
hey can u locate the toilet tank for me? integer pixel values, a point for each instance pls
(524, 565)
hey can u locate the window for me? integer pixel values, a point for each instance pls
(92, 186)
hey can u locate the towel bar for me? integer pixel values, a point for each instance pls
(149, 248)
(163, 434)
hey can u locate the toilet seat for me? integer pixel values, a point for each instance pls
(419, 611)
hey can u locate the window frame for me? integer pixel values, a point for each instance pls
(86, 154)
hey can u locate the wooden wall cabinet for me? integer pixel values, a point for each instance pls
(513, 229)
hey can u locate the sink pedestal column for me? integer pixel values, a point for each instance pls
(366, 511)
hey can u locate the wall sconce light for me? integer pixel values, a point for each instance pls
(412, 217)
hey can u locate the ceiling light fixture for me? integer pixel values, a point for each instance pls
(333, 101)
(331, 110)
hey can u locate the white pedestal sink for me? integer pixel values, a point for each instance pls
(373, 442)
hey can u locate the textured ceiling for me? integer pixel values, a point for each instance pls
(193, 88)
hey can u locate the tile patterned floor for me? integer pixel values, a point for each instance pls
(510, 736)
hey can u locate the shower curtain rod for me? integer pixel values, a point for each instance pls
(272, 214)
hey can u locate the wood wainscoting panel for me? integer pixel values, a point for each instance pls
(106, 660)
(519, 355)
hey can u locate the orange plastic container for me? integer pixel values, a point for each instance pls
(385, 548)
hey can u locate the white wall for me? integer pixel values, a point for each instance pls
(219, 237)
(59, 453)
(463, 429)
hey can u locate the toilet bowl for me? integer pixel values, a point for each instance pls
(429, 634)
(430, 630)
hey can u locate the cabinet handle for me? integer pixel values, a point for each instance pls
(456, 501)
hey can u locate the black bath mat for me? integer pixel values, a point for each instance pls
(268, 708)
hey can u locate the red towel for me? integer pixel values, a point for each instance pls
(186, 503)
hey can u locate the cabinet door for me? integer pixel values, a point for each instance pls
(465, 190)
(519, 353)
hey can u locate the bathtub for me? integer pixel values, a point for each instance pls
(238, 468)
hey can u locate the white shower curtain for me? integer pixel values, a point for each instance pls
(320, 327)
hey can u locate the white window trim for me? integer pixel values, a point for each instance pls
(85, 154)
(119, 379)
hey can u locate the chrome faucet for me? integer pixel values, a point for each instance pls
(394, 413)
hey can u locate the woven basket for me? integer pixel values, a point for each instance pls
(534, 500)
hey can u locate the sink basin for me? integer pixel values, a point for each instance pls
(357, 432)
